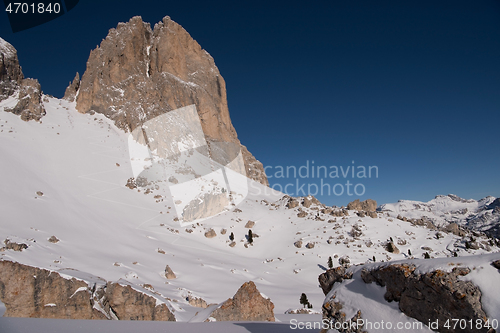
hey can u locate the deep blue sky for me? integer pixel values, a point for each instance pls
(410, 87)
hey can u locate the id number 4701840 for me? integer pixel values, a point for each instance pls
(471, 324)
(33, 8)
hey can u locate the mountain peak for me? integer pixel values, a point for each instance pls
(138, 74)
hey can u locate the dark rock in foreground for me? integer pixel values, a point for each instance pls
(433, 296)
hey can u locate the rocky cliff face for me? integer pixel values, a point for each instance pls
(38, 293)
(30, 104)
(139, 73)
(247, 305)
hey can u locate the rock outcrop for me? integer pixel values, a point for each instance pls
(129, 304)
(332, 276)
(250, 224)
(138, 73)
(310, 200)
(368, 205)
(9, 245)
(247, 305)
(210, 233)
(169, 273)
(333, 313)
(454, 229)
(29, 106)
(391, 247)
(72, 89)
(450, 296)
(335, 317)
(38, 293)
(12, 80)
(197, 302)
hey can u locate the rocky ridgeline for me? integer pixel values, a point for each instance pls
(138, 73)
(317, 210)
(248, 304)
(38, 293)
(432, 296)
(12, 81)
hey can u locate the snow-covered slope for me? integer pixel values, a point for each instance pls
(79, 164)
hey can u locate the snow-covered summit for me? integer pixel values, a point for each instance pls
(444, 209)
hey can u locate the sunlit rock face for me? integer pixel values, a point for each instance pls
(138, 74)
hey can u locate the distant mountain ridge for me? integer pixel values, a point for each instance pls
(480, 215)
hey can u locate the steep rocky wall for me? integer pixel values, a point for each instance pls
(139, 73)
(38, 293)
